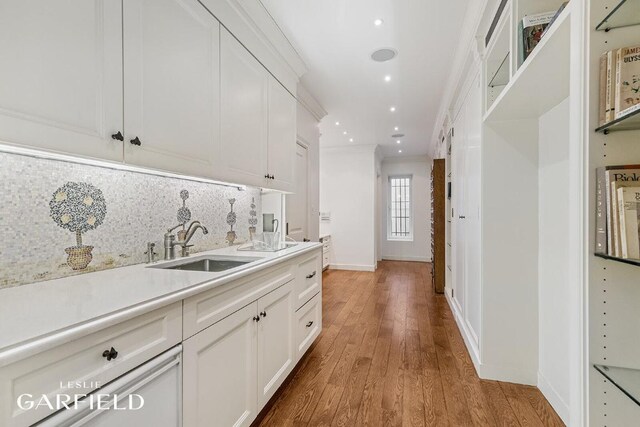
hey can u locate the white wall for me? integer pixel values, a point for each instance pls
(419, 249)
(553, 258)
(347, 190)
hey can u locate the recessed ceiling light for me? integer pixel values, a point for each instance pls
(398, 142)
(350, 139)
(399, 151)
(378, 22)
(344, 133)
(337, 123)
(387, 78)
(396, 128)
(392, 109)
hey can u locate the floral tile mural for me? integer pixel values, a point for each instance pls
(66, 218)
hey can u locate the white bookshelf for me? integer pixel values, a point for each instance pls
(613, 287)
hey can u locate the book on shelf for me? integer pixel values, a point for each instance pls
(628, 204)
(608, 180)
(602, 106)
(627, 87)
(530, 31)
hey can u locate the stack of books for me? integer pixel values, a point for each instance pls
(619, 83)
(618, 211)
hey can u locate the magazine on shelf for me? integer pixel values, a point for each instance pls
(628, 211)
(530, 31)
(625, 175)
(627, 87)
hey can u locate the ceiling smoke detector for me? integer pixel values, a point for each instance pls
(397, 135)
(384, 54)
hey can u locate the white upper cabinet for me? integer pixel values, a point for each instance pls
(243, 94)
(282, 136)
(61, 76)
(171, 85)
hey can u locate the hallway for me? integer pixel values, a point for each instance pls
(390, 354)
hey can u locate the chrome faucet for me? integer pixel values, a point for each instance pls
(170, 241)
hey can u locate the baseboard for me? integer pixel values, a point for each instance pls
(352, 267)
(554, 398)
(406, 258)
(466, 334)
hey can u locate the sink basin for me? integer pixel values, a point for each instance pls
(209, 264)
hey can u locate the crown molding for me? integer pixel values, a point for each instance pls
(310, 103)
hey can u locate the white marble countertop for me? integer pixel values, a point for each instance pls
(36, 316)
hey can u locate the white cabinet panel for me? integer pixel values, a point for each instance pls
(275, 340)
(171, 86)
(242, 151)
(61, 75)
(220, 372)
(282, 136)
(308, 324)
(308, 278)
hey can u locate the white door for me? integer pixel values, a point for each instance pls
(220, 372)
(275, 340)
(458, 230)
(472, 273)
(297, 210)
(282, 137)
(243, 93)
(61, 75)
(171, 63)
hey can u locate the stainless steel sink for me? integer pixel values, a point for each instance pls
(209, 264)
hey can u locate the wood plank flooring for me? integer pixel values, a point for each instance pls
(390, 354)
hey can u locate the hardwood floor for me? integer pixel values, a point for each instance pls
(390, 354)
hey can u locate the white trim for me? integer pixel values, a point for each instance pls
(352, 267)
(310, 103)
(50, 155)
(406, 258)
(560, 406)
(408, 159)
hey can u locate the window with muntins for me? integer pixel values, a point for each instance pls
(400, 225)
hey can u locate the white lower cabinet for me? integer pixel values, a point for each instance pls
(308, 324)
(275, 340)
(220, 372)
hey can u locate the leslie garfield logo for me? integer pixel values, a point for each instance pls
(93, 401)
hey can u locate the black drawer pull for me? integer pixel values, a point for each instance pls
(311, 276)
(110, 354)
(309, 324)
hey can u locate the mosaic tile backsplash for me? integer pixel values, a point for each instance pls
(58, 219)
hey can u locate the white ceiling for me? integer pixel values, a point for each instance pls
(336, 38)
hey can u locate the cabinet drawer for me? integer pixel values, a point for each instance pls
(308, 278)
(203, 310)
(309, 324)
(78, 367)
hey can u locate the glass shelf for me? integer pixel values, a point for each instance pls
(624, 14)
(624, 260)
(501, 76)
(629, 122)
(626, 379)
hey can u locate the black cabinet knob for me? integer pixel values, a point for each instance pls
(273, 177)
(309, 324)
(136, 141)
(263, 313)
(110, 354)
(256, 318)
(118, 136)
(267, 176)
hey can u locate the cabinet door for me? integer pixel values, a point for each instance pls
(282, 137)
(243, 92)
(171, 51)
(220, 372)
(275, 340)
(61, 75)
